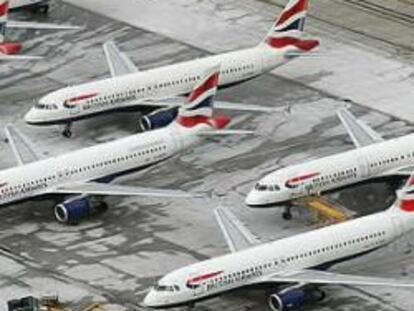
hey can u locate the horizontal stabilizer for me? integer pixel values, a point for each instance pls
(237, 236)
(34, 25)
(119, 63)
(246, 107)
(22, 148)
(321, 278)
(95, 188)
(5, 57)
(226, 133)
(360, 133)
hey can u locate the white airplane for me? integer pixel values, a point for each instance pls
(8, 50)
(294, 267)
(32, 5)
(84, 173)
(128, 88)
(372, 158)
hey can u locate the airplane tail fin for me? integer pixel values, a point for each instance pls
(4, 12)
(405, 198)
(289, 28)
(199, 107)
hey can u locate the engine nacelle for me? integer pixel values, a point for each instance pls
(74, 210)
(158, 119)
(294, 297)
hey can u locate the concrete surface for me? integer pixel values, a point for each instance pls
(116, 256)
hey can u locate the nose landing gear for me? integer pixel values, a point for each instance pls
(287, 213)
(67, 131)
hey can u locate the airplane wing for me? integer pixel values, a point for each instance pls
(177, 101)
(34, 25)
(402, 171)
(5, 57)
(246, 107)
(225, 133)
(237, 236)
(119, 63)
(360, 133)
(21, 146)
(324, 278)
(95, 188)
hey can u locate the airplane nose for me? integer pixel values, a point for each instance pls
(150, 299)
(30, 117)
(253, 199)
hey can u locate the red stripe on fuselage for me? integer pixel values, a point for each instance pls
(300, 6)
(81, 97)
(210, 83)
(299, 179)
(204, 277)
(4, 8)
(304, 45)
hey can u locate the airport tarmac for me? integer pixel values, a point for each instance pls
(114, 257)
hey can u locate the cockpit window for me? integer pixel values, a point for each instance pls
(260, 187)
(46, 106)
(165, 288)
(263, 187)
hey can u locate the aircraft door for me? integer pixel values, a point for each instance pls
(363, 169)
(296, 187)
(75, 110)
(397, 225)
(175, 141)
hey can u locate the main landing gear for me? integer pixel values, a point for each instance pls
(43, 9)
(287, 213)
(67, 131)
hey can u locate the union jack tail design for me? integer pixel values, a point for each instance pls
(4, 12)
(405, 198)
(199, 106)
(289, 27)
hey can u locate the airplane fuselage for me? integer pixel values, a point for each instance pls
(318, 249)
(333, 172)
(151, 86)
(100, 162)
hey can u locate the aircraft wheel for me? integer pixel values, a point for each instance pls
(323, 295)
(287, 215)
(43, 9)
(67, 133)
(103, 206)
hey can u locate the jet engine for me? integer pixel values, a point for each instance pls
(158, 119)
(74, 210)
(294, 297)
